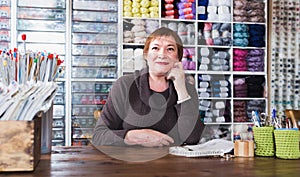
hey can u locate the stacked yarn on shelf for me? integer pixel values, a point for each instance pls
(141, 8)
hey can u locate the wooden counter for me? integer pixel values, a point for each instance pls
(89, 162)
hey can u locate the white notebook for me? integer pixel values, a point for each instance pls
(215, 147)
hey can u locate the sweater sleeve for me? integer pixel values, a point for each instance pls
(190, 127)
(108, 129)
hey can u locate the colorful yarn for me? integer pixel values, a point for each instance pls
(240, 27)
(240, 52)
(243, 42)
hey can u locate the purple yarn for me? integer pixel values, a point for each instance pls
(256, 52)
(255, 58)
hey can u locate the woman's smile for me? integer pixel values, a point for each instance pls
(162, 63)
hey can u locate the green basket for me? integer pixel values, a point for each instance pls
(264, 141)
(287, 144)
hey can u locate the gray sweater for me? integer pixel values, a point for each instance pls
(131, 104)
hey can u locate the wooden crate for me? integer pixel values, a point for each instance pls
(20, 145)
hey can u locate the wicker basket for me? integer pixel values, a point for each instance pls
(264, 141)
(287, 144)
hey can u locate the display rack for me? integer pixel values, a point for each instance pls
(84, 33)
(93, 64)
(284, 58)
(44, 24)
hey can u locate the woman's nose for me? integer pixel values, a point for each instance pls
(161, 53)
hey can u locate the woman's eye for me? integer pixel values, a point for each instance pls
(154, 48)
(171, 49)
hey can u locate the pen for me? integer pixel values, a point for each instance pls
(38, 64)
(23, 36)
(15, 59)
(32, 68)
(273, 117)
(255, 118)
(8, 66)
(55, 67)
(5, 73)
(43, 63)
(48, 67)
(288, 122)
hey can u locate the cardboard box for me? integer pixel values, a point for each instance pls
(243, 148)
(20, 145)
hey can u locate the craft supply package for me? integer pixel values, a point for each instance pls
(20, 144)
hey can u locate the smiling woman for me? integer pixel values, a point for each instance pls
(155, 106)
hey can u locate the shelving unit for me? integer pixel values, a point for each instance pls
(93, 63)
(5, 23)
(84, 33)
(284, 56)
(228, 59)
(44, 24)
(99, 43)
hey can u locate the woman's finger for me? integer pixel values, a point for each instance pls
(168, 138)
(178, 65)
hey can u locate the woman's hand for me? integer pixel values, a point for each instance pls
(147, 138)
(178, 76)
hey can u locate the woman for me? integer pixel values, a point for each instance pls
(155, 106)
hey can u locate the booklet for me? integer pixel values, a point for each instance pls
(215, 147)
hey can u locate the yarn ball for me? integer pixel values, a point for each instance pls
(127, 8)
(243, 42)
(145, 3)
(136, 4)
(240, 27)
(169, 1)
(127, 2)
(154, 3)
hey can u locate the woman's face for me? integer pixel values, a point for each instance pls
(162, 55)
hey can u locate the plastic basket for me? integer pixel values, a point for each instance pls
(264, 141)
(287, 144)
